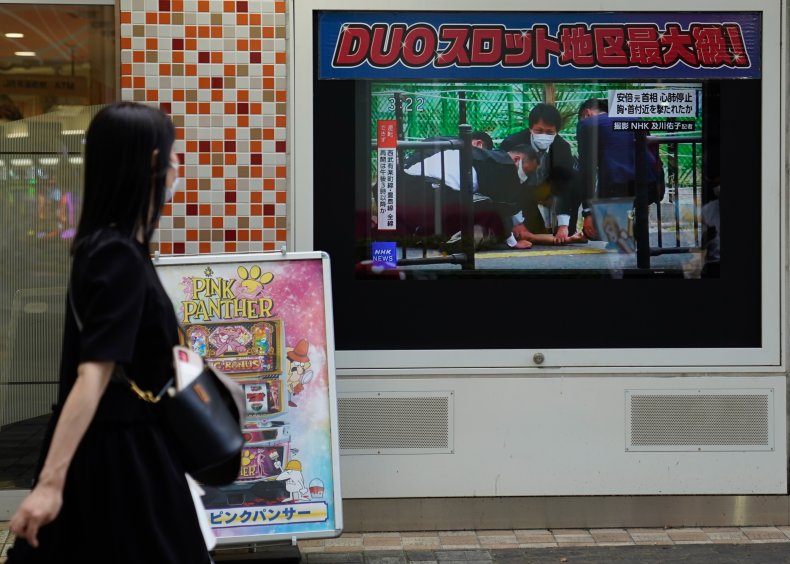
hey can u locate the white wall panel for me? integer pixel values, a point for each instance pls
(564, 436)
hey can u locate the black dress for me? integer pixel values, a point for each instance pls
(126, 498)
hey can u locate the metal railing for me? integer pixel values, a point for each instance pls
(641, 228)
(466, 256)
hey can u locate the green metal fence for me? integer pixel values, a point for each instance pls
(433, 109)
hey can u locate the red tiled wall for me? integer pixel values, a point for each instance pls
(219, 68)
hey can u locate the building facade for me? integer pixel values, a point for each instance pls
(448, 418)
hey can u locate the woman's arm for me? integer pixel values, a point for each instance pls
(44, 502)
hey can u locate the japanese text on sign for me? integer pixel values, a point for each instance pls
(684, 126)
(269, 515)
(75, 86)
(656, 102)
(385, 166)
(382, 45)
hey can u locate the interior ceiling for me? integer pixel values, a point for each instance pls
(59, 35)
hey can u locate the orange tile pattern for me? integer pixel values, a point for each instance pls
(219, 68)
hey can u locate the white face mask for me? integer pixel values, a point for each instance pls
(542, 141)
(522, 176)
(171, 190)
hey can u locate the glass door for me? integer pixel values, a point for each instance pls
(57, 67)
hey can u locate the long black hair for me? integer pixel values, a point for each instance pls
(121, 171)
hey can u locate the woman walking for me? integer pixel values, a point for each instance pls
(109, 489)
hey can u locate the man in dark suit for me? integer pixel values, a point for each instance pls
(553, 184)
(497, 178)
(480, 139)
(607, 160)
(503, 183)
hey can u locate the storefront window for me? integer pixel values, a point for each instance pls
(57, 66)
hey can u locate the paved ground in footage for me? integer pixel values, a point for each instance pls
(594, 255)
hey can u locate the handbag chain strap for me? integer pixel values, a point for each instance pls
(146, 395)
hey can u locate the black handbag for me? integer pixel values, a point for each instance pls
(204, 418)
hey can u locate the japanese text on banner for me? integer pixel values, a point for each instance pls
(269, 515)
(656, 102)
(387, 151)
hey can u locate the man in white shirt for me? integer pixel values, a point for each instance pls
(497, 179)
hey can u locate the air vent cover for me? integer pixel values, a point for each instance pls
(704, 420)
(395, 422)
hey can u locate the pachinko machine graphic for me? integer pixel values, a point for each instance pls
(239, 347)
(252, 354)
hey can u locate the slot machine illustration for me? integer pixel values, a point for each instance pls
(252, 353)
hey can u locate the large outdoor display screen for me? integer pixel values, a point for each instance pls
(539, 211)
(505, 168)
(606, 174)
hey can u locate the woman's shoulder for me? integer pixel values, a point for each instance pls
(107, 239)
(109, 245)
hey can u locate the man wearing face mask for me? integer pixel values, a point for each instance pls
(554, 180)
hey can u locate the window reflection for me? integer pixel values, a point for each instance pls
(55, 56)
(57, 65)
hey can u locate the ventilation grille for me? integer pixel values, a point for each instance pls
(395, 422)
(699, 420)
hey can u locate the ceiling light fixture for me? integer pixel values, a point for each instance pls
(25, 53)
(14, 35)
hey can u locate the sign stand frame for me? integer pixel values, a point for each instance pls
(272, 270)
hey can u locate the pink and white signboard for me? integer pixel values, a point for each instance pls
(266, 321)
